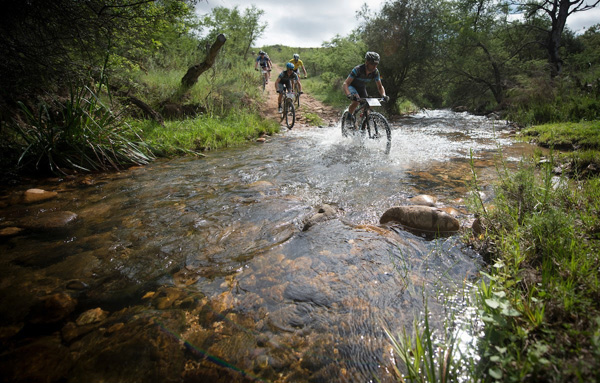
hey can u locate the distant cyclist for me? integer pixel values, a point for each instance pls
(298, 63)
(265, 63)
(284, 82)
(355, 85)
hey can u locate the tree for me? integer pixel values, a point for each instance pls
(48, 43)
(558, 11)
(406, 34)
(241, 29)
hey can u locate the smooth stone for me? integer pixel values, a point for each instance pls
(49, 220)
(423, 200)
(37, 195)
(421, 219)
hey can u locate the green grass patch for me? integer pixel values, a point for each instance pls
(204, 133)
(580, 135)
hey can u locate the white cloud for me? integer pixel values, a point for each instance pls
(309, 23)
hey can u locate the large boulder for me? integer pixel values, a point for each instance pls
(422, 219)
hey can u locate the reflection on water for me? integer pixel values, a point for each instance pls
(199, 268)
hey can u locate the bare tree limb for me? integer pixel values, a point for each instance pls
(191, 77)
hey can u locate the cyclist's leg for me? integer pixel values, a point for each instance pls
(353, 104)
(281, 91)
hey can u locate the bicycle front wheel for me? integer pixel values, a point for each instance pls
(297, 95)
(290, 113)
(346, 122)
(376, 125)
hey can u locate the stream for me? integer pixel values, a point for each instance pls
(205, 270)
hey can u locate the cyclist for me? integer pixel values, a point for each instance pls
(284, 82)
(298, 64)
(265, 63)
(356, 82)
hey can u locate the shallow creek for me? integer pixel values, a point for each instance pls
(202, 269)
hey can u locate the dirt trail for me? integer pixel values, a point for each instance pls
(308, 104)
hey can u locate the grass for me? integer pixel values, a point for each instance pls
(204, 133)
(539, 298)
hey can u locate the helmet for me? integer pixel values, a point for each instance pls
(261, 52)
(289, 66)
(296, 56)
(372, 57)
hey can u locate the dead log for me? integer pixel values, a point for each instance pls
(191, 77)
(146, 109)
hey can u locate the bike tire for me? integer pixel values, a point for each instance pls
(297, 95)
(290, 113)
(264, 82)
(376, 125)
(344, 123)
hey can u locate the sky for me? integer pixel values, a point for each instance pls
(308, 23)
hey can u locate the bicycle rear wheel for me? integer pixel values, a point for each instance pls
(376, 125)
(290, 113)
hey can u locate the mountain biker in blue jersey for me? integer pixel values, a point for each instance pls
(265, 63)
(285, 78)
(356, 82)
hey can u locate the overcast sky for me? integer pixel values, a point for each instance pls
(308, 23)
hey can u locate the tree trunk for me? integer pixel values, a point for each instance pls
(191, 77)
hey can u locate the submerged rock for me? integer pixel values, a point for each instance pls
(325, 212)
(423, 200)
(422, 219)
(37, 195)
(49, 220)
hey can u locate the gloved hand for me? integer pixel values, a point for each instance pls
(354, 97)
(386, 98)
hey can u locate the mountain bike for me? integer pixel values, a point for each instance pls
(296, 88)
(263, 74)
(366, 121)
(288, 111)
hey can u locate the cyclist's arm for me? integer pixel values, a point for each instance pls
(304, 69)
(380, 88)
(346, 85)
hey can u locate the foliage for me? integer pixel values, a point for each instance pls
(407, 35)
(49, 44)
(584, 135)
(241, 29)
(542, 237)
(79, 133)
(204, 133)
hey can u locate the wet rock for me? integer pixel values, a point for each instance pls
(52, 309)
(423, 200)
(91, 316)
(43, 360)
(324, 213)
(10, 231)
(49, 220)
(261, 139)
(37, 195)
(421, 219)
(450, 210)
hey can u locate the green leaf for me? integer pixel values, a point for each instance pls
(496, 374)
(493, 303)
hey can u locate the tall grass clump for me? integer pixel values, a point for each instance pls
(205, 133)
(541, 302)
(77, 133)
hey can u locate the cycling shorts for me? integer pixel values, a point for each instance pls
(284, 85)
(361, 91)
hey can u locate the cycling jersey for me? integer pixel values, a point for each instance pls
(284, 79)
(263, 61)
(361, 78)
(297, 64)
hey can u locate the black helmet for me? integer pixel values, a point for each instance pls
(261, 53)
(372, 57)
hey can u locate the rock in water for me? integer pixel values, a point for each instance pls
(37, 195)
(424, 219)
